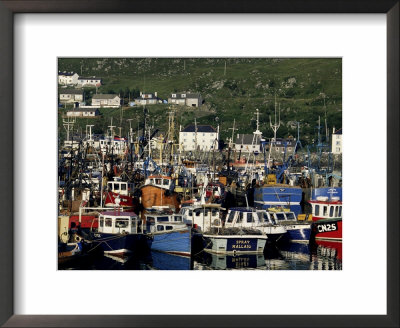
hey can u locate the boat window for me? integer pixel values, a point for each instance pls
(340, 211)
(178, 218)
(240, 218)
(280, 216)
(325, 211)
(101, 222)
(316, 210)
(160, 228)
(290, 216)
(110, 185)
(108, 222)
(150, 220)
(151, 180)
(206, 212)
(260, 217)
(121, 223)
(123, 186)
(165, 182)
(250, 218)
(269, 218)
(116, 186)
(190, 213)
(231, 216)
(336, 211)
(158, 181)
(168, 227)
(197, 212)
(162, 219)
(214, 212)
(331, 208)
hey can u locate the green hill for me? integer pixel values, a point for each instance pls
(301, 86)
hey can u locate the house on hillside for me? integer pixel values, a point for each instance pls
(336, 141)
(89, 81)
(186, 99)
(68, 78)
(147, 99)
(80, 112)
(70, 96)
(204, 137)
(248, 143)
(106, 100)
(280, 144)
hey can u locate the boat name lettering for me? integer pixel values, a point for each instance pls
(242, 244)
(327, 227)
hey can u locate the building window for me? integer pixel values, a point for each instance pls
(337, 142)
(173, 95)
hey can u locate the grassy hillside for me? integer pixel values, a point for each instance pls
(300, 86)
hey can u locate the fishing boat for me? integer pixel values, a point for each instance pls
(169, 233)
(273, 194)
(296, 231)
(158, 190)
(122, 190)
(327, 217)
(120, 233)
(251, 218)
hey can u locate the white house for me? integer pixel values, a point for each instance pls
(337, 141)
(186, 99)
(205, 137)
(147, 99)
(79, 112)
(106, 100)
(71, 95)
(89, 81)
(68, 78)
(248, 143)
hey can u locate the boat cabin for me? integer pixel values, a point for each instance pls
(120, 187)
(164, 222)
(248, 217)
(324, 208)
(202, 217)
(163, 182)
(119, 223)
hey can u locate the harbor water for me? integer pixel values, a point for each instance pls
(282, 256)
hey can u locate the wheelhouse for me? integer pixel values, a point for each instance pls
(119, 223)
(326, 209)
(160, 181)
(164, 222)
(120, 187)
(203, 216)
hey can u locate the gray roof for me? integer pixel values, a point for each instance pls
(188, 95)
(246, 139)
(104, 96)
(71, 92)
(200, 128)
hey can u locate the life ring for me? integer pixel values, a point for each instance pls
(217, 222)
(77, 238)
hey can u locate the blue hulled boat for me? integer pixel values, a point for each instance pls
(119, 233)
(273, 195)
(169, 233)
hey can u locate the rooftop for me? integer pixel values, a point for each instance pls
(200, 128)
(71, 92)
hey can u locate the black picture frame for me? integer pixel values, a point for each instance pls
(7, 10)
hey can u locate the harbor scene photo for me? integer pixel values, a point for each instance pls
(199, 163)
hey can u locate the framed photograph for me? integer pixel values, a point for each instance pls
(99, 103)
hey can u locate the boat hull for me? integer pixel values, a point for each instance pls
(174, 242)
(122, 244)
(155, 196)
(127, 202)
(328, 229)
(235, 244)
(297, 233)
